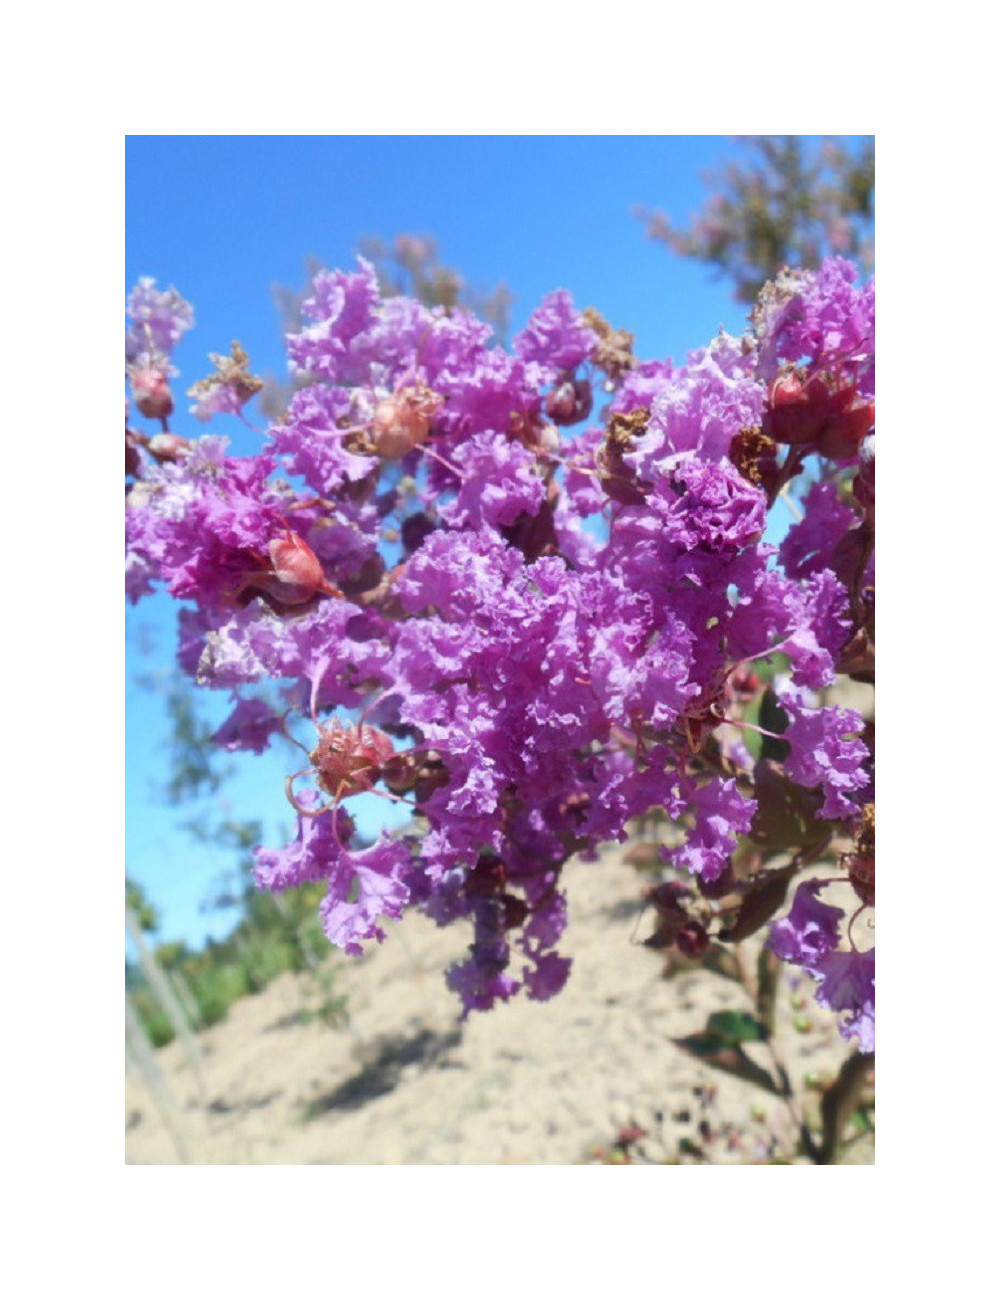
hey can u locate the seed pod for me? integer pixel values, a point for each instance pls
(820, 410)
(403, 421)
(348, 760)
(414, 531)
(515, 911)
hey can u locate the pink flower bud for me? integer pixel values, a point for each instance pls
(295, 561)
(846, 428)
(295, 575)
(151, 392)
(167, 446)
(569, 401)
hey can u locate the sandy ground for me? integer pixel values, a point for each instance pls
(528, 1083)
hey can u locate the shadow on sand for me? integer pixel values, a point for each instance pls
(385, 1060)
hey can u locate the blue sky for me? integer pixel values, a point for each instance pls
(225, 218)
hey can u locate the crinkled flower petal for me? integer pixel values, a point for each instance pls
(826, 751)
(365, 886)
(810, 930)
(556, 335)
(720, 812)
(847, 984)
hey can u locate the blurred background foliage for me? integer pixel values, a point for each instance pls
(272, 935)
(782, 202)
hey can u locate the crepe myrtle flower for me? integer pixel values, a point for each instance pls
(556, 337)
(810, 936)
(250, 726)
(363, 885)
(409, 555)
(826, 752)
(158, 320)
(810, 930)
(720, 813)
(847, 985)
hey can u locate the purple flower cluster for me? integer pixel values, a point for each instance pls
(410, 544)
(157, 318)
(809, 936)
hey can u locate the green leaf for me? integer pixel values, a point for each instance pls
(751, 738)
(735, 1027)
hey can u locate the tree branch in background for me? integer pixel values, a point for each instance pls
(788, 204)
